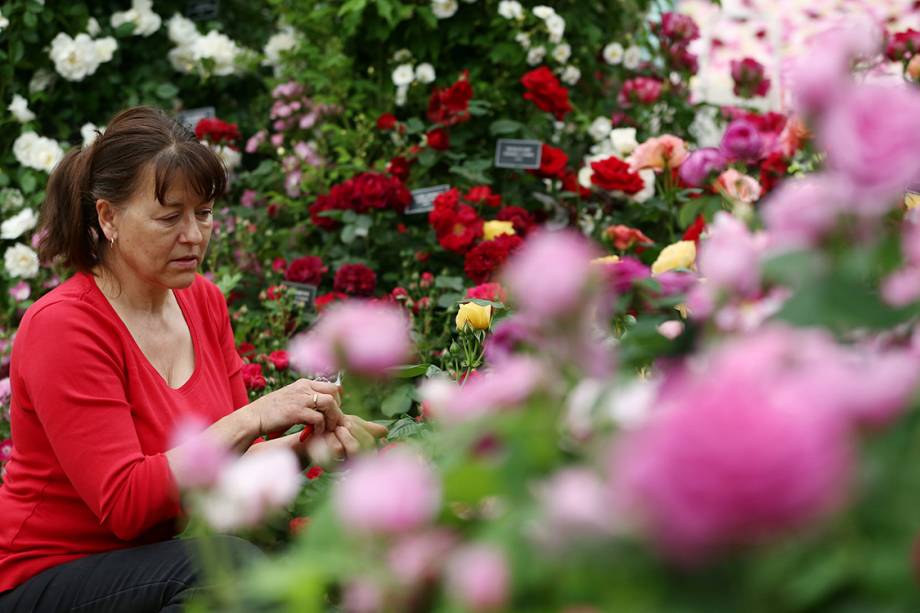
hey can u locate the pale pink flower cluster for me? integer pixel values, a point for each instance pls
(365, 338)
(478, 577)
(755, 438)
(390, 493)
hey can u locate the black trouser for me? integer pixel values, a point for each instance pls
(156, 577)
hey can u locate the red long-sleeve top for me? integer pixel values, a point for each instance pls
(91, 419)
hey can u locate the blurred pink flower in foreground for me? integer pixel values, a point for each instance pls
(418, 557)
(730, 255)
(730, 459)
(363, 337)
(390, 493)
(548, 276)
(199, 457)
(256, 483)
(478, 577)
(575, 504)
(802, 211)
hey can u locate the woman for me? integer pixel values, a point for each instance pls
(105, 367)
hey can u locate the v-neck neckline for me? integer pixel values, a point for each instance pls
(183, 308)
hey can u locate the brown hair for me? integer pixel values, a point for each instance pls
(111, 168)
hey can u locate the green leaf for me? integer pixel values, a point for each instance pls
(27, 182)
(504, 126)
(404, 428)
(448, 282)
(688, 213)
(409, 372)
(124, 30)
(352, 6)
(398, 402)
(348, 234)
(166, 91)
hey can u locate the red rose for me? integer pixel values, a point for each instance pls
(355, 280)
(696, 228)
(298, 525)
(306, 269)
(426, 280)
(399, 167)
(624, 237)
(253, 377)
(772, 171)
(246, 350)
(386, 121)
(422, 256)
(642, 90)
(438, 139)
(464, 230)
(903, 45)
(442, 215)
(482, 194)
(279, 359)
(486, 258)
(401, 228)
(521, 218)
(320, 205)
(544, 90)
(324, 300)
(399, 293)
(315, 472)
(614, 175)
(279, 264)
(450, 106)
(421, 304)
(487, 291)
(552, 162)
(570, 184)
(275, 292)
(215, 130)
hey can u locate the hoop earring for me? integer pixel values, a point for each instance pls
(112, 242)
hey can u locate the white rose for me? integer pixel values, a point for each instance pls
(424, 73)
(648, 177)
(38, 152)
(182, 31)
(219, 48)
(88, 132)
(444, 9)
(571, 75)
(624, 140)
(182, 59)
(556, 27)
(600, 128)
(230, 156)
(21, 261)
(403, 75)
(18, 224)
(613, 53)
(92, 27)
(11, 198)
(19, 107)
(543, 12)
(511, 9)
(141, 14)
(536, 55)
(285, 40)
(562, 53)
(523, 39)
(104, 49)
(401, 92)
(74, 58)
(22, 147)
(632, 57)
(120, 18)
(603, 149)
(584, 176)
(40, 80)
(402, 56)
(4, 22)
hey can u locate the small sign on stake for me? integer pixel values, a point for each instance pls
(423, 199)
(304, 294)
(516, 153)
(202, 10)
(190, 117)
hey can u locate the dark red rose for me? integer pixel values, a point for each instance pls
(450, 106)
(441, 217)
(279, 359)
(613, 174)
(482, 194)
(750, 78)
(677, 28)
(399, 167)
(386, 121)
(215, 130)
(306, 269)
(279, 264)
(438, 139)
(639, 90)
(275, 292)
(570, 184)
(422, 256)
(355, 280)
(401, 228)
(320, 205)
(252, 376)
(544, 90)
(552, 162)
(903, 45)
(464, 229)
(324, 300)
(486, 258)
(695, 230)
(772, 171)
(246, 350)
(521, 218)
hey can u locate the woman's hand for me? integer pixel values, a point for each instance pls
(313, 403)
(345, 442)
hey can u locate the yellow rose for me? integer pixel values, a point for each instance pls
(607, 259)
(681, 254)
(476, 316)
(491, 229)
(912, 199)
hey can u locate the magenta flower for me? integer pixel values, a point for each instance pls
(742, 141)
(366, 338)
(390, 493)
(549, 274)
(478, 578)
(701, 166)
(750, 78)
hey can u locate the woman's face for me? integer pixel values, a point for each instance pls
(163, 244)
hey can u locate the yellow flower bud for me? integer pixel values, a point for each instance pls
(474, 315)
(607, 259)
(491, 229)
(681, 254)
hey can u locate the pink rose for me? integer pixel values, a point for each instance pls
(658, 153)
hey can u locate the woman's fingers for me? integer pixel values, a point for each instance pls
(375, 430)
(349, 442)
(315, 419)
(357, 430)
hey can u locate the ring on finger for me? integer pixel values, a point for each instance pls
(315, 400)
